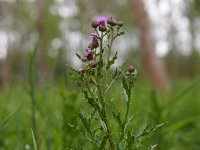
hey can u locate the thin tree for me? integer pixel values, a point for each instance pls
(190, 13)
(152, 64)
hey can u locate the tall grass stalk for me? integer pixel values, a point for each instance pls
(31, 73)
(34, 140)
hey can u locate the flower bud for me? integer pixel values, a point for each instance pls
(112, 21)
(89, 54)
(120, 24)
(84, 59)
(93, 63)
(82, 70)
(94, 43)
(102, 27)
(94, 24)
(131, 68)
(90, 45)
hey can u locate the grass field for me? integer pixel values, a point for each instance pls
(57, 105)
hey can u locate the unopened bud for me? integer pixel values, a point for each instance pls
(102, 27)
(94, 43)
(89, 54)
(112, 21)
(94, 24)
(131, 68)
(120, 24)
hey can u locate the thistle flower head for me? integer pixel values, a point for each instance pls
(94, 43)
(101, 20)
(94, 37)
(89, 54)
(94, 24)
(112, 21)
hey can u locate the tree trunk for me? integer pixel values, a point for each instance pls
(193, 64)
(152, 64)
(40, 26)
(4, 73)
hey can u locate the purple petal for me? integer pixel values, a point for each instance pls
(101, 19)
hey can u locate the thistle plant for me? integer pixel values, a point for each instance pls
(95, 78)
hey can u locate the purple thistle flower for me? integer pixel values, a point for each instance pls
(94, 43)
(101, 20)
(94, 38)
(89, 54)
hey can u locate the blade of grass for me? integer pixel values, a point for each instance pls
(174, 100)
(31, 71)
(6, 120)
(185, 90)
(34, 141)
(180, 124)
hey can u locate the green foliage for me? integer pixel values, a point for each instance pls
(6, 120)
(196, 6)
(179, 133)
(34, 141)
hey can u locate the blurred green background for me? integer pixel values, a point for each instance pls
(39, 37)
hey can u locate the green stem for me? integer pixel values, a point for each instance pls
(109, 50)
(104, 117)
(131, 82)
(103, 114)
(126, 118)
(101, 43)
(127, 109)
(88, 88)
(111, 42)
